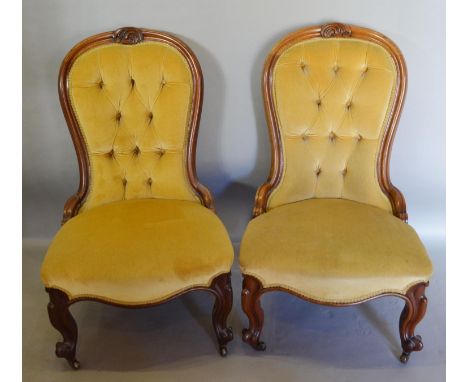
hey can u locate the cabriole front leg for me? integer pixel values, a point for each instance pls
(221, 287)
(412, 314)
(62, 320)
(251, 292)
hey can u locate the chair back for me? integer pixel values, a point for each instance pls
(333, 95)
(132, 99)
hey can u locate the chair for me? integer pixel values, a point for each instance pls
(329, 227)
(141, 230)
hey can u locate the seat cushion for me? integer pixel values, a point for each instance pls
(334, 250)
(138, 251)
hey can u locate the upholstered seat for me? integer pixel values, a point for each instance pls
(334, 250)
(138, 251)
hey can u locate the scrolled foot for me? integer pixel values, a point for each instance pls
(62, 320)
(252, 290)
(413, 344)
(224, 337)
(231, 334)
(221, 288)
(67, 351)
(227, 334)
(252, 340)
(413, 313)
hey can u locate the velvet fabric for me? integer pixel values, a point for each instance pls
(132, 104)
(137, 251)
(334, 251)
(332, 99)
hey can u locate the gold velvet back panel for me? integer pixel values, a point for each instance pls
(333, 99)
(133, 103)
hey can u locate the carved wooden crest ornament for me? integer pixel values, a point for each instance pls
(128, 36)
(335, 30)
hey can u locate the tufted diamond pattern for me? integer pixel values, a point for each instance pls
(133, 104)
(332, 99)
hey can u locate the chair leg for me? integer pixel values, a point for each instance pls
(221, 287)
(62, 320)
(412, 314)
(251, 292)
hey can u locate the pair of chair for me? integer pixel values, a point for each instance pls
(328, 227)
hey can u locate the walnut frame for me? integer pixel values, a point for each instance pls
(277, 156)
(220, 286)
(412, 314)
(62, 320)
(252, 288)
(129, 36)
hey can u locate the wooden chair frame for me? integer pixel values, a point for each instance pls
(58, 307)
(415, 300)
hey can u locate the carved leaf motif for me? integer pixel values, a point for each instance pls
(335, 30)
(128, 35)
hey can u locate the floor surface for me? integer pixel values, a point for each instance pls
(175, 341)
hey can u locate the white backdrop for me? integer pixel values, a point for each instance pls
(231, 40)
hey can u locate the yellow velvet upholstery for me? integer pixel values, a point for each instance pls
(141, 235)
(333, 250)
(138, 251)
(132, 104)
(332, 98)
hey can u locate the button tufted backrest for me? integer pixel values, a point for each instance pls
(332, 96)
(133, 99)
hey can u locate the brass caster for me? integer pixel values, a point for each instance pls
(260, 346)
(75, 365)
(404, 357)
(223, 351)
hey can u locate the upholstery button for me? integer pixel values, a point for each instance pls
(304, 137)
(150, 116)
(118, 116)
(348, 105)
(124, 181)
(332, 136)
(318, 171)
(303, 67)
(319, 102)
(132, 82)
(161, 152)
(163, 83)
(359, 137)
(100, 84)
(149, 181)
(364, 71)
(336, 68)
(111, 153)
(344, 172)
(136, 151)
